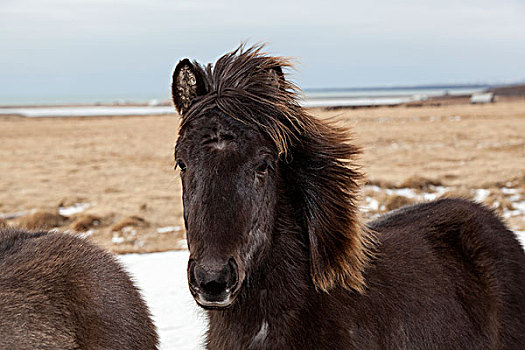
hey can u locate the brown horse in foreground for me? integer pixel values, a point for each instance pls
(278, 255)
(60, 292)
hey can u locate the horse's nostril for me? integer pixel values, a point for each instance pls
(213, 287)
(215, 279)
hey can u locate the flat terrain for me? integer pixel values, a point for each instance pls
(117, 173)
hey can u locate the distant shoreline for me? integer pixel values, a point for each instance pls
(406, 87)
(309, 93)
(322, 98)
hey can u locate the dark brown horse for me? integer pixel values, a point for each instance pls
(61, 292)
(278, 254)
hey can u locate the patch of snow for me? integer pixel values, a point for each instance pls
(9, 216)
(116, 239)
(521, 237)
(370, 204)
(481, 194)
(436, 191)
(510, 213)
(439, 189)
(182, 244)
(162, 279)
(74, 209)
(86, 234)
(519, 206)
(514, 198)
(430, 196)
(404, 192)
(374, 188)
(507, 190)
(517, 200)
(129, 231)
(169, 229)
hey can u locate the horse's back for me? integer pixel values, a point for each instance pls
(480, 260)
(58, 291)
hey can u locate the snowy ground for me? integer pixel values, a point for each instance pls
(513, 195)
(162, 279)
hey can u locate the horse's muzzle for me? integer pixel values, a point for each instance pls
(213, 285)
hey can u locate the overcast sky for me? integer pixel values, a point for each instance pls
(129, 47)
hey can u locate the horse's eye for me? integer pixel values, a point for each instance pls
(263, 166)
(181, 165)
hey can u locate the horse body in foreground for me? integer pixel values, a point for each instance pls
(58, 291)
(278, 255)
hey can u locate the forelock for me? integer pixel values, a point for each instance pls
(241, 85)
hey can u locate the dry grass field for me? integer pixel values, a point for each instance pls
(112, 178)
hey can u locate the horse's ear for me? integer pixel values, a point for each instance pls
(276, 76)
(187, 83)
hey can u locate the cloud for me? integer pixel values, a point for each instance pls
(86, 45)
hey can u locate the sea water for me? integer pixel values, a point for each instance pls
(146, 105)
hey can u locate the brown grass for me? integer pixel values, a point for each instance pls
(458, 193)
(392, 202)
(82, 222)
(498, 201)
(514, 182)
(123, 166)
(41, 220)
(130, 221)
(419, 183)
(496, 198)
(381, 183)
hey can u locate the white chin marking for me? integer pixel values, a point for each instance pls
(207, 303)
(260, 337)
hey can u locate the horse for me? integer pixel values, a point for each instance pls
(58, 291)
(279, 255)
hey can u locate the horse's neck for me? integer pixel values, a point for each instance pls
(275, 297)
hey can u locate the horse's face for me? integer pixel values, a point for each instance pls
(229, 179)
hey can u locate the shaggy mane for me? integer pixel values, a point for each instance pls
(318, 158)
